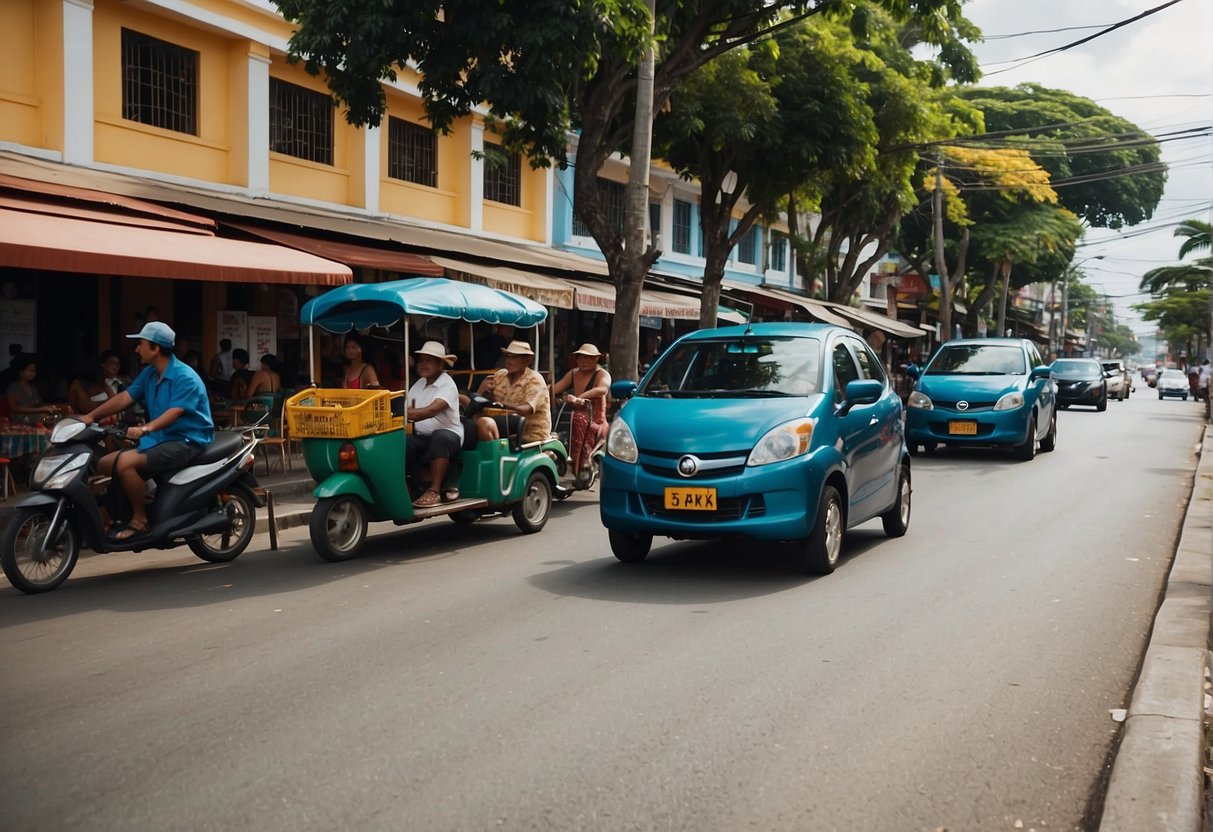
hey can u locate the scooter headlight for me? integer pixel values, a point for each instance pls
(621, 444)
(57, 471)
(66, 430)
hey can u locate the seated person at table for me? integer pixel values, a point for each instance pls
(23, 397)
(179, 421)
(522, 392)
(242, 376)
(268, 379)
(433, 407)
(87, 390)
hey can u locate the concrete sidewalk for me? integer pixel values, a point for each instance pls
(1158, 780)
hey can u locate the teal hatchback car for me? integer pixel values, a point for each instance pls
(775, 431)
(984, 392)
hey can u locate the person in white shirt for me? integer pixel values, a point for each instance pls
(1202, 383)
(433, 408)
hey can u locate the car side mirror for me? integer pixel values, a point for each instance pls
(1041, 372)
(860, 391)
(623, 389)
(914, 371)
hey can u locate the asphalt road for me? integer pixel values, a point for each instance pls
(471, 678)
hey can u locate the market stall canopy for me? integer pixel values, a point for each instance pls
(549, 291)
(352, 254)
(363, 305)
(874, 320)
(597, 296)
(56, 227)
(816, 309)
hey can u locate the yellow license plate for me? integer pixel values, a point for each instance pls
(690, 499)
(962, 428)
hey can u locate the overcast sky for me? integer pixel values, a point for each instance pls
(1156, 72)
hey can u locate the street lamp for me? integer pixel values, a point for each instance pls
(1065, 298)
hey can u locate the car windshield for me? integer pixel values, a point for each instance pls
(737, 368)
(978, 360)
(1176, 375)
(1073, 368)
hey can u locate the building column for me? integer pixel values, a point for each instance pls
(78, 82)
(258, 123)
(371, 172)
(476, 189)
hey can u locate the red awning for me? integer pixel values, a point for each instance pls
(373, 257)
(71, 244)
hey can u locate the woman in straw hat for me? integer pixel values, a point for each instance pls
(433, 408)
(587, 386)
(522, 392)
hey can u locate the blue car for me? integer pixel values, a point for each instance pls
(984, 392)
(775, 431)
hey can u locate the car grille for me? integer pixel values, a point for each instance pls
(728, 509)
(665, 464)
(973, 406)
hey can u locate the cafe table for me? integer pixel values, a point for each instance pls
(18, 440)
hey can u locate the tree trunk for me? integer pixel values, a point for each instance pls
(1002, 298)
(635, 260)
(983, 298)
(941, 263)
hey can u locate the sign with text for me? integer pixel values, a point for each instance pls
(233, 325)
(262, 336)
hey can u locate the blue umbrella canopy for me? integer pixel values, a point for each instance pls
(362, 305)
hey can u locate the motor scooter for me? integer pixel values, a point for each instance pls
(210, 505)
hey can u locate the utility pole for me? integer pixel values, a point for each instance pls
(941, 265)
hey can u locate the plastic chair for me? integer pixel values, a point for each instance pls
(277, 437)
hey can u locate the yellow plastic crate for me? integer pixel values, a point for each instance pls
(322, 413)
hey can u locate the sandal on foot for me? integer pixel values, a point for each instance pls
(428, 498)
(131, 532)
(450, 495)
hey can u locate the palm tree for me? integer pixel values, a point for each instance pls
(1186, 277)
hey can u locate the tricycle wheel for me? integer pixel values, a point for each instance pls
(338, 527)
(29, 568)
(229, 545)
(464, 518)
(531, 513)
(630, 547)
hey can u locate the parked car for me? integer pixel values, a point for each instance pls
(1080, 381)
(983, 391)
(1120, 383)
(1173, 383)
(774, 431)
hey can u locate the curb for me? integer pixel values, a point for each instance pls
(1158, 776)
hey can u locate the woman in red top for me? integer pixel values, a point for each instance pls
(359, 375)
(588, 386)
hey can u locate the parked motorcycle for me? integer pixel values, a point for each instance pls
(210, 506)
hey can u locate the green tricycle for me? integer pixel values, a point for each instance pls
(354, 441)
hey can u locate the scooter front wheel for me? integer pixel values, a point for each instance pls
(229, 545)
(338, 527)
(27, 566)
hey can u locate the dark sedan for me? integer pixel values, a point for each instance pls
(1080, 381)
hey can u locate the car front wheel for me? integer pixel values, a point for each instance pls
(1050, 441)
(819, 552)
(1027, 451)
(896, 520)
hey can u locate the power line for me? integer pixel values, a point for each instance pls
(1032, 58)
(1044, 31)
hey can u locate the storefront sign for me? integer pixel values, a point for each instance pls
(262, 336)
(233, 325)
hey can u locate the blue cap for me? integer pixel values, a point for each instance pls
(157, 332)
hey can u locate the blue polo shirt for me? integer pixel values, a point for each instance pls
(180, 387)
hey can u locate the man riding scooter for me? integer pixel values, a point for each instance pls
(178, 426)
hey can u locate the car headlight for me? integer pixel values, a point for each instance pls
(791, 439)
(920, 400)
(1009, 401)
(56, 471)
(621, 444)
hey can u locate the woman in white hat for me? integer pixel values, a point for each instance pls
(433, 408)
(588, 386)
(520, 390)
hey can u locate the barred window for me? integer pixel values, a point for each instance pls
(747, 249)
(301, 122)
(159, 83)
(779, 252)
(613, 198)
(682, 226)
(502, 176)
(412, 153)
